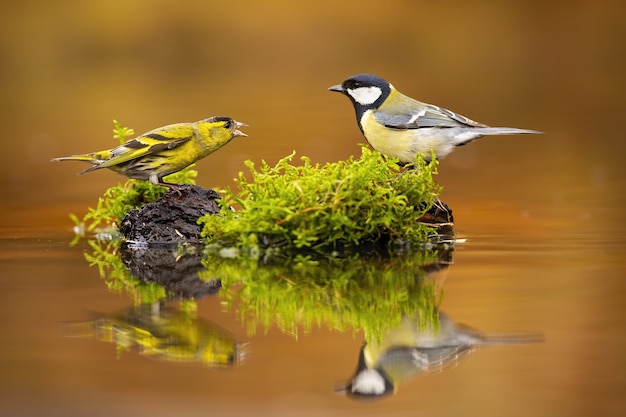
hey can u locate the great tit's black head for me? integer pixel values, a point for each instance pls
(366, 91)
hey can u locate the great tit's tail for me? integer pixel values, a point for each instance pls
(513, 339)
(464, 136)
(504, 131)
(479, 338)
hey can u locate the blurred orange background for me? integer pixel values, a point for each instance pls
(69, 68)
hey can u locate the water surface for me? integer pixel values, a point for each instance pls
(542, 216)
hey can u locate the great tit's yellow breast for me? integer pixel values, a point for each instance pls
(405, 335)
(405, 144)
(396, 143)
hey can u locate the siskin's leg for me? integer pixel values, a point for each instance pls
(155, 179)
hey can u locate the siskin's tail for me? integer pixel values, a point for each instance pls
(95, 158)
(86, 158)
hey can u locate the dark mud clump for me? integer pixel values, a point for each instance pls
(171, 219)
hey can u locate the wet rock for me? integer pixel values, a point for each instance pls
(171, 219)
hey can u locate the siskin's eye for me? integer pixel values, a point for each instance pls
(228, 124)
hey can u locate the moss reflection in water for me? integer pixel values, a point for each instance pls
(351, 293)
(295, 293)
(393, 298)
(169, 272)
(106, 256)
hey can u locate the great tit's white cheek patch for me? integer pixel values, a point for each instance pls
(365, 95)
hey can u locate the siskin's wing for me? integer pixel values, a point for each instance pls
(168, 137)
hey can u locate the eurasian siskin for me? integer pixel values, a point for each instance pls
(164, 150)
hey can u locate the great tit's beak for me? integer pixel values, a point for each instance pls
(337, 88)
(238, 132)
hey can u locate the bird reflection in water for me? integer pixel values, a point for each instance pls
(163, 333)
(409, 350)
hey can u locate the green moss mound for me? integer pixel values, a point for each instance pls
(351, 202)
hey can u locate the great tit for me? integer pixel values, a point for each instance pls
(401, 127)
(411, 349)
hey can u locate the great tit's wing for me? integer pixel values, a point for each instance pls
(426, 115)
(168, 137)
(410, 360)
(442, 358)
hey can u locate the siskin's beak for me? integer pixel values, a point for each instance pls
(337, 88)
(238, 132)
